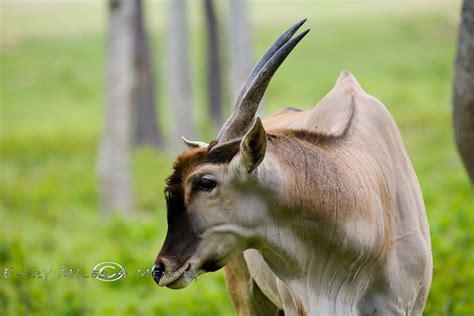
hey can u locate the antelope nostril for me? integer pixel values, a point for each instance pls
(158, 271)
(188, 268)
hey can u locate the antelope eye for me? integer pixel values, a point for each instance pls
(204, 183)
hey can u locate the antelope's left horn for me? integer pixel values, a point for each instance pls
(194, 144)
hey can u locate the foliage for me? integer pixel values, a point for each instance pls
(51, 118)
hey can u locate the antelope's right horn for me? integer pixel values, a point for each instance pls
(257, 82)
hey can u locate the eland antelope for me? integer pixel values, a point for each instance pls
(315, 212)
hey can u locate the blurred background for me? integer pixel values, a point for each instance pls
(96, 94)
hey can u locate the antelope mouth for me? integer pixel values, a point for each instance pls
(188, 272)
(181, 277)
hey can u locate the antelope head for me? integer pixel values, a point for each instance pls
(214, 196)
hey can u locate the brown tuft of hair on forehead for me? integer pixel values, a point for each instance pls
(190, 160)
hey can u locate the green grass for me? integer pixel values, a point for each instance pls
(51, 80)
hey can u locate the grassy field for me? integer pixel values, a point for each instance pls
(51, 80)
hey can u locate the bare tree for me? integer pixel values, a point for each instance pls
(214, 86)
(146, 129)
(240, 45)
(178, 74)
(115, 149)
(463, 89)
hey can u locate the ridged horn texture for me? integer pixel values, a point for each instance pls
(254, 88)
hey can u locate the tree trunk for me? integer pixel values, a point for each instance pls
(146, 129)
(240, 46)
(115, 149)
(463, 89)
(214, 86)
(178, 75)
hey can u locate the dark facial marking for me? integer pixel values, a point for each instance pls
(182, 237)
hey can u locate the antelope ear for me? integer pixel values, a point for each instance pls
(194, 144)
(253, 146)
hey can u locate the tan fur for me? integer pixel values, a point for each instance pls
(301, 309)
(318, 131)
(346, 231)
(247, 298)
